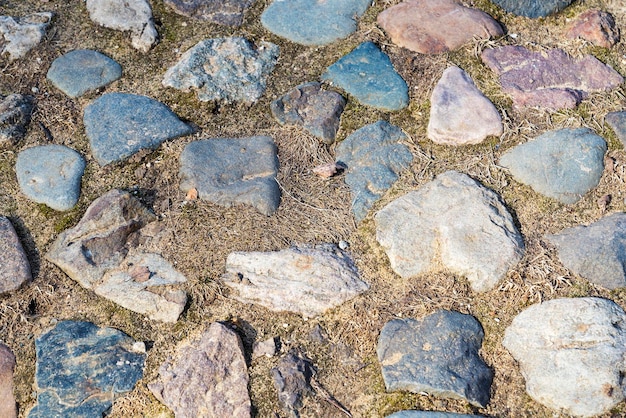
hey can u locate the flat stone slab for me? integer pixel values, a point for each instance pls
(437, 355)
(435, 26)
(7, 399)
(15, 268)
(83, 70)
(551, 79)
(228, 171)
(292, 380)
(533, 8)
(460, 114)
(451, 222)
(595, 26)
(222, 12)
(617, 122)
(21, 34)
(208, 377)
(428, 414)
(316, 110)
(563, 164)
(367, 74)
(571, 353)
(50, 174)
(313, 22)
(305, 280)
(82, 368)
(120, 124)
(15, 113)
(229, 69)
(374, 157)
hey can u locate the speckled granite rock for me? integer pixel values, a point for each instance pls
(595, 26)
(15, 113)
(7, 400)
(21, 34)
(223, 12)
(14, 265)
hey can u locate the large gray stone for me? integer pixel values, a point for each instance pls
(15, 113)
(452, 222)
(438, 355)
(292, 380)
(208, 377)
(563, 164)
(223, 12)
(533, 8)
(571, 353)
(14, 265)
(7, 400)
(21, 34)
(617, 122)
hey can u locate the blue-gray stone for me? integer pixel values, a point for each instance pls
(313, 22)
(81, 368)
(533, 8)
(83, 70)
(437, 355)
(428, 414)
(15, 113)
(50, 174)
(617, 122)
(229, 171)
(368, 75)
(120, 124)
(373, 157)
(563, 164)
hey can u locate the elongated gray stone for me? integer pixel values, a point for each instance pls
(223, 12)
(7, 399)
(14, 265)
(15, 113)
(533, 8)
(21, 34)
(83, 70)
(428, 414)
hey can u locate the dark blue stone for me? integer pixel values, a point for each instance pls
(533, 8)
(83, 70)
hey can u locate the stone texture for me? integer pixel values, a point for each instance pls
(222, 12)
(313, 22)
(595, 26)
(50, 174)
(571, 353)
(119, 125)
(292, 380)
(21, 34)
(563, 164)
(306, 280)
(265, 348)
(451, 222)
(435, 26)
(82, 368)
(373, 157)
(316, 110)
(14, 265)
(617, 122)
(550, 79)
(7, 400)
(533, 8)
(459, 113)
(438, 355)
(229, 171)
(83, 70)
(126, 15)
(367, 74)
(15, 113)
(427, 414)
(208, 377)
(229, 69)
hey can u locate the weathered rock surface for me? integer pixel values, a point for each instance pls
(266, 348)
(563, 164)
(368, 75)
(21, 34)
(15, 113)
(571, 353)
(306, 280)
(533, 8)
(427, 414)
(316, 110)
(617, 122)
(126, 15)
(222, 12)
(551, 79)
(229, 171)
(292, 379)
(14, 265)
(229, 69)
(459, 113)
(313, 22)
(82, 368)
(208, 377)
(83, 70)
(595, 26)
(373, 157)
(7, 400)
(120, 124)
(438, 355)
(435, 26)
(50, 174)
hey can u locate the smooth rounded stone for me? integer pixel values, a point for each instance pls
(533, 8)
(14, 268)
(83, 70)
(595, 26)
(126, 15)
(438, 355)
(563, 164)
(7, 399)
(208, 377)
(373, 157)
(228, 171)
(617, 122)
(550, 79)
(229, 69)
(460, 114)
(313, 22)
(21, 34)
(292, 380)
(82, 368)
(571, 353)
(595, 252)
(222, 12)
(428, 414)
(15, 113)
(316, 110)
(306, 280)
(367, 74)
(120, 124)
(435, 26)
(452, 222)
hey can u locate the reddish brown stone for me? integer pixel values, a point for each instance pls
(7, 400)
(14, 267)
(595, 26)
